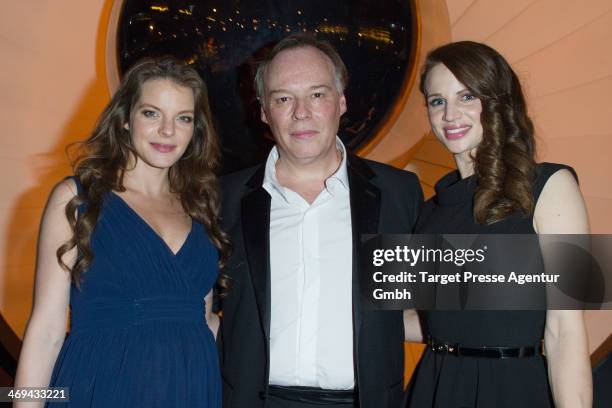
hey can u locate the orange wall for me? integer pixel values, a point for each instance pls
(53, 88)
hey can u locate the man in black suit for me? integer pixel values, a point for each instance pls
(294, 331)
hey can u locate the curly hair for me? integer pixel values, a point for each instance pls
(504, 162)
(102, 160)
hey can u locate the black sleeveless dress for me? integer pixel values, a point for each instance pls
(445, 381)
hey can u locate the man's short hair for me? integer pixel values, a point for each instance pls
(301, 40)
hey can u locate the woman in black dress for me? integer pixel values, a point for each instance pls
(477, 110)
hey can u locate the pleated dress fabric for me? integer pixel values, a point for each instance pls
(138, 336)
(448, 381)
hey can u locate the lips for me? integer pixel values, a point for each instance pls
(163, 148)
(303, 134)
(456, 132)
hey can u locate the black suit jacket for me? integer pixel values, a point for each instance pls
(383, 199)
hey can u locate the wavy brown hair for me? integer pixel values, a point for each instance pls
(103, 158)
(504, 162)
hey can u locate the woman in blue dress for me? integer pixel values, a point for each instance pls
(492, 358)
(132, 244)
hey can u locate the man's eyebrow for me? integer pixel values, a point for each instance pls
(273, 91)
(320, 86)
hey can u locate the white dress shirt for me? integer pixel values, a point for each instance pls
(311, 328)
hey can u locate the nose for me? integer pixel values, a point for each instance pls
(301, 109)
(167, 127)
(451, 112)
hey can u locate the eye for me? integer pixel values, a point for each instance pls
(186, 118)
(468, 97)
(149, 113)
(435, 102)
(318, 95)
(282, 99)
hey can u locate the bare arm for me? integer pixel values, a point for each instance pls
(567, 351)
(46, 327)
(561, 210)
(211, 318)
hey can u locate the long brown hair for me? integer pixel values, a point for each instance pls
(504, 162)
(103, 158)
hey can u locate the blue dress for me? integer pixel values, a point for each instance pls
(138, 335)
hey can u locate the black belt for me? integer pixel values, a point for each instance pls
(312, 395)
(487, 352)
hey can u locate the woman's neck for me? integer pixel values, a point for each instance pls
(465, 164)
(147, 180)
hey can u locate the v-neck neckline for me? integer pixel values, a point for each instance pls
(153, 230)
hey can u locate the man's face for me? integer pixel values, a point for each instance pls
(302, 104)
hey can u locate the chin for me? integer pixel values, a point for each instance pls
(457, 148)
(309, 155)
(162, 164)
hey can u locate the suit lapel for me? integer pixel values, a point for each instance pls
(255, 216)
(365, 213)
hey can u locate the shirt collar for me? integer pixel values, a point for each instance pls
(341, 173)
(270, 180)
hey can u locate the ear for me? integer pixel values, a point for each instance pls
(342, 103)
(264, 118)
(126, 125)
